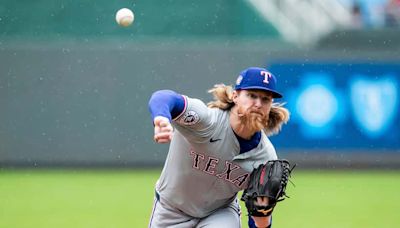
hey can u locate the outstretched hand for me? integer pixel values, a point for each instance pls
(162, 130)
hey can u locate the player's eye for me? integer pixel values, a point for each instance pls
(266, 99)
(252, 95)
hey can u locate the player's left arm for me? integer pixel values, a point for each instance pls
(267, 185)
(262, 222)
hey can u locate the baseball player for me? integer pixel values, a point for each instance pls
(213, 150)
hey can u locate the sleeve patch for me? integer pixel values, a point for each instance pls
(189, 118)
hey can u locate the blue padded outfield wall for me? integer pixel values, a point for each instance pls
(340, 106)
(86, 105)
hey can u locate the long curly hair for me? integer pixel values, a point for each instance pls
(223, 99)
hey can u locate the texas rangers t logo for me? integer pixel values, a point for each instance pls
(266, 75)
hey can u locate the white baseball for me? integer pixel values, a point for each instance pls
(124, 17)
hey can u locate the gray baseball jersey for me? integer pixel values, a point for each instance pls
(204, 168)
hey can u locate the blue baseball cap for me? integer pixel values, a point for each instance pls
(257, 78)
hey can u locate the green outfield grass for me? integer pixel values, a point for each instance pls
(123, 198)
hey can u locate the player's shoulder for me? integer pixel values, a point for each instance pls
(219, 114)
(268, 147)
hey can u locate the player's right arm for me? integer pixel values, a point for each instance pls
(162, 130)
(165, 105)
(190, 116)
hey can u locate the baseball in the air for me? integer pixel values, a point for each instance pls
(124, 17)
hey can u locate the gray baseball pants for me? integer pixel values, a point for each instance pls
(166, 216)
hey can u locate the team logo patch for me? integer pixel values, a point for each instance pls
(190, 118)
(239, 80)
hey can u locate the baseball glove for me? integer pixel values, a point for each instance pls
(268, 180)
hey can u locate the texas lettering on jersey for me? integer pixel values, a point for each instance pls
(232, 173)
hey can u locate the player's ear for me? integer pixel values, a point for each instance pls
(235, 96)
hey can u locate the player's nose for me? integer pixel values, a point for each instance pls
(257, 103)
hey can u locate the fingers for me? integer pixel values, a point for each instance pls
(162, 130)
(262, 201)
(165, 137)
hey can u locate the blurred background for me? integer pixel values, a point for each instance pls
(74, 88)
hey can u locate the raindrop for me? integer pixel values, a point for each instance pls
(65, 50)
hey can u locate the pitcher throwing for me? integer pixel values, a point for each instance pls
(213, 151)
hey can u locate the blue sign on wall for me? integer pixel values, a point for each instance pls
(340, 106)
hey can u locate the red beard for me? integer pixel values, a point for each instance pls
(252, 119)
